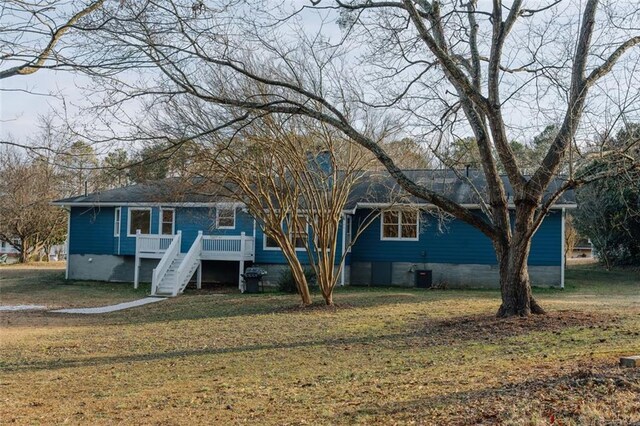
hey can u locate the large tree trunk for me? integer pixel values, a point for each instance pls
(515, 285)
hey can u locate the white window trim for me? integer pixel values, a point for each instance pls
(218, 218)
(264, 244)
(306, 230)
(173, 224)
(266, 248)
(383, 238)
(131, 209)
(117, 221)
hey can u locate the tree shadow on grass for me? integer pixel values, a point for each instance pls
(418, 336)
(196, 306)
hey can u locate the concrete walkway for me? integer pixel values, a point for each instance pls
(4, 308)
(110, 308)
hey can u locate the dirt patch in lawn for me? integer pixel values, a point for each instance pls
(483, 326)
(314, 308)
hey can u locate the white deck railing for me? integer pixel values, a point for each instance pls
(213, 247)
(165, 262)
(153, 244)
(185, 271)
(228, 247)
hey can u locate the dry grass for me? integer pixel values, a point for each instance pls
(385, 356)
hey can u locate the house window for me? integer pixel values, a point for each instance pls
(116, 222)
(167, 221)
(300, 232)
(299, 235)
(225, 218)
(270, 243)
(399, 225)
(139, 219)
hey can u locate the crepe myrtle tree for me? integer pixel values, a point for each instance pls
(295, 177)
(434, 69)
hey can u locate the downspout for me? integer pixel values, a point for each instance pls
(68, 243)
(563, 254)
(344, 242)
(254, 241)
(119, 231)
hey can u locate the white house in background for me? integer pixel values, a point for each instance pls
(8, 249)
(57, 252)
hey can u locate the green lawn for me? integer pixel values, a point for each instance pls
(383, 356)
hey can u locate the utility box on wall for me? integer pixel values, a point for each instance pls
(424, 278)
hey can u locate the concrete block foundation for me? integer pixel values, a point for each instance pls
(453, 275)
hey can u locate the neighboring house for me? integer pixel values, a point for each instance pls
(8, 249)
(582, 249)
(162, 234)
(57, 252)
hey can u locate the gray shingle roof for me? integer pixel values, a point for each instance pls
(374, 188)
(170, 190)
(383, 188)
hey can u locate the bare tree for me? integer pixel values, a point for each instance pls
(295, 177)
(27, 220)
(570, 236)
(430, 69)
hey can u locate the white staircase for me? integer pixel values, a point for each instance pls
(175, 269)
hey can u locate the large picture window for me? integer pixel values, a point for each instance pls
(399, 225)
(225, 218)
(167, 221)
(139, 219)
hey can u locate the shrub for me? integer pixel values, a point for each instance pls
(287, 284)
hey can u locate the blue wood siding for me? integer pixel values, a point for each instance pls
(272, 256)
(456, 242)
(190, 220)
(91, 230)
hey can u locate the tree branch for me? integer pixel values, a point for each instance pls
(38, 62)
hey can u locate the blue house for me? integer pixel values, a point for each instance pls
(162, 234)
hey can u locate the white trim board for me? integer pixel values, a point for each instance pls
(351, 211)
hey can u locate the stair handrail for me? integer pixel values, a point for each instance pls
(165, 262)
(192, 255)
